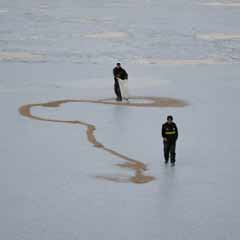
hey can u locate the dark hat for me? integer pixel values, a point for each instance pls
(169, 117)
(118, 64)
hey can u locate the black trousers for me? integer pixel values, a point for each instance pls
(117, 90)
(169, 150)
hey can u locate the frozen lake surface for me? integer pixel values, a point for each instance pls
(68, 173)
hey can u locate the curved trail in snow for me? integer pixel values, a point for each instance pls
(130, 163)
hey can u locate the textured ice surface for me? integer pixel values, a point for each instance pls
(101, 32)
(48, 183)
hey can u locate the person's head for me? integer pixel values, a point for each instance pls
(169, 118)
(118, 65)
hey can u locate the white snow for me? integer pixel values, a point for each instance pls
(218, 36)
(21, 56)
(178, 61)
(223, 4)
(108, 35)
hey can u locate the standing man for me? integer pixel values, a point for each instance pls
(119, 72)
(170, 135)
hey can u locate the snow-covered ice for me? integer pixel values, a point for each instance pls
(55, 183)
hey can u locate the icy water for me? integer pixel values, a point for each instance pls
(57, 181)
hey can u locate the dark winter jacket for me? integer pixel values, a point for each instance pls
(120, 73)
(170, 131)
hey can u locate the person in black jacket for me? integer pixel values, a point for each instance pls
(119, 72)
(170, 135)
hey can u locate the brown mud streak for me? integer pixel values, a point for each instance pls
(136, 165)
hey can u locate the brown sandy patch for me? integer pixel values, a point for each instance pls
(115, 178)
(139, 178)
(133, 164)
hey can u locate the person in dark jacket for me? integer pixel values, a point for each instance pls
(170, 135)
(119, 72)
